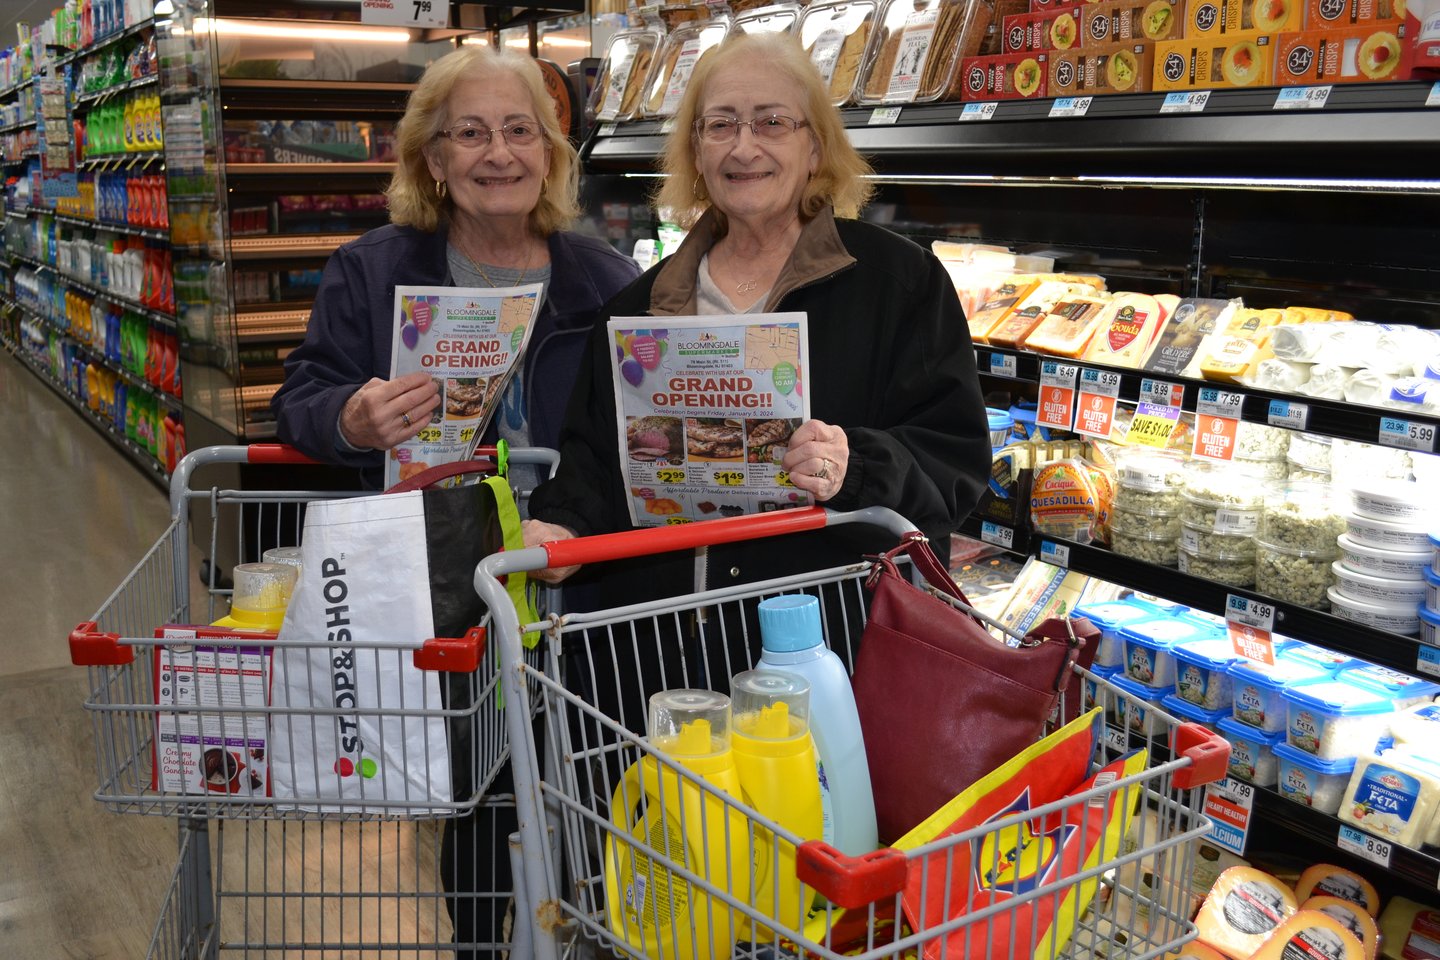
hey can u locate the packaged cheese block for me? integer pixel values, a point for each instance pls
(1311, 935)
(1243, 910)
(1178, 344)
(1028, 311)
(1333, 881)
(1314, 315)
(998, 306)
(1409, 931)
(1067, 327)
(1390, 798)
(1125, 329)
(1352, 916)
(1229, 353)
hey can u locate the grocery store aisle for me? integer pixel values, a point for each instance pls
(77, 882)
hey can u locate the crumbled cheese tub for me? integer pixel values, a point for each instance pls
(1403, 619)
(1221, 498)
(1301, 577)
(1322, 658)
(1429, 626)
(1157, 551)
(1382, 562)
(1391, 499)
(1257, 441)
(1403, 689)
(1301, 516)
(1418, 726)
(1309, 451)
(1204, 542)
(1108, 617)
(1138, 709)
(1373, 589)
(1235, 571)
(1202, 673)
(1258, 690)
(1185, 710)
(1307, 779)
(1144, 523)
(1387, 534)
(1391, 798)
(1262, 469)
(1252, 752)
(1147, 650)
(1333, 719)
(1432, 589)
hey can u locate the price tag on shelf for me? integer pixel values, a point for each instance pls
(1250, 613)
(1161, 393)
(1000, 536)
(1428, 661)
(1070, 106)
(1192, 102)
(608, 129)
(1407, 435)
(1217, 420)
(1433, 100)
(1292, 416)
(1002, 365)
(1055, 554)
(1095, 405)
(883, 116)
(1229, 804)
(978, 111)
(1057, 394)
(406, 13)
(1117, 738)
(1152, 424)
(1219, 403)
(1302, 98)
(1363, 845)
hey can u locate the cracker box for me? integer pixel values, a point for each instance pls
(1237, 60)
(1057, 28)
(1376, 51)
(1115, 21)
(1327, 14)
(1008, 76)
(1113, 68)
(1209, 18)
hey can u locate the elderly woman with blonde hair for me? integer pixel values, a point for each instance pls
(759, 168)
(485, 185)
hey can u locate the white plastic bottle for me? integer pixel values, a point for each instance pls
(792, 641)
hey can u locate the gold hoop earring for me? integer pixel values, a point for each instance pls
(695, 188)
(441, 189)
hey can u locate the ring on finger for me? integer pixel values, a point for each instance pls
(824, 472)
(405, 419)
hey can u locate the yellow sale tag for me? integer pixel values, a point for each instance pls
(670, 475)
(1152, 425)
(729, 478)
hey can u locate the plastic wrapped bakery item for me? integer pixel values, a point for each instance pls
(835, 35)
(684, 47)
(621, 84)
(916, 48)
(776, 18)
(1243, 909)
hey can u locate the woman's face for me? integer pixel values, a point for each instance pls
(501, 180)
(749, 180)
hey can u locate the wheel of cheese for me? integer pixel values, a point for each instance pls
(1353, 916)
(1311, 935)
(1243, 909)
(1329, 880)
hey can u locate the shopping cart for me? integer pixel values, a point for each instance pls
(288, 876)
(672, 869)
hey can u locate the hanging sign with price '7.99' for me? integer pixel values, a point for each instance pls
(406, 13)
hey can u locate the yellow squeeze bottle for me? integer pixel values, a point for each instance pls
(659, 913)
(261, 592)
(775, 755)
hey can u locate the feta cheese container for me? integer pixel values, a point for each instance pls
(1429, 626)
(1307, 779)
(1094, 692)
(1297, 576)
(1185, 710)
(1417, 726)
(1406, 691)
(1202, 673)
(1108, 617)
(1258, 441)
(1147, 650)
(1333, 719)
(1432, 589)
(1435, 552)
(1387, 534)
(1382, 590)
(1138, 711)
(1322, 658)
(1391, 500)
(1257, 690)
(1420, 762)
(1382, 561)
(1252, 752)
(1391, 798)
(1403, 619)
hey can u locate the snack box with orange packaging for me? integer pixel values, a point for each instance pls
(1327, 14)
(1372, 52)
(1115, 21)
(1212, 18)
(1055, 29)
(1008, 76)
(1236, 60)
(1113, 68)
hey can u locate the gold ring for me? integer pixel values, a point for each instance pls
(824, 472)
(405, 419)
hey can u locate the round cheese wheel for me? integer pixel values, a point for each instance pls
(1326, 879)
(1352, 915)
(1242, 910)
(1311, 935)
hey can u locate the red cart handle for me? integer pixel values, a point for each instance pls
(1208, 753)
(91, 648)
(850, 882)
(457, 655)
(684, 536)
(284, 453)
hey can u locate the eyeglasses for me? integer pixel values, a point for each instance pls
(517, 133)
(771, 129)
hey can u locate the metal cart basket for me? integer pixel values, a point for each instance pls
(663, 864)
(266, 876)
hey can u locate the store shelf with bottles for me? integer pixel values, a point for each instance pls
(22, 125)
(10, 91)
(149, 312)
(105, 42)
(123, 160)
(86, 223)
(88, 100)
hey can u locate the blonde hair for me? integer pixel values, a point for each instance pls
(412, 195)
(839, 177)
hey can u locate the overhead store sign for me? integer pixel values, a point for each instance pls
(406, 13)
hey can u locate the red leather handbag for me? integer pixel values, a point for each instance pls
(942, 702)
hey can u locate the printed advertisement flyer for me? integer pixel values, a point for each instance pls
(469, 340)
(706, 409)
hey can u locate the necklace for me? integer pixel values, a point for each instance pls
(746, 286)
(486, 277)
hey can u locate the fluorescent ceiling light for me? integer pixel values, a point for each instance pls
(294, 31)
(523, 42)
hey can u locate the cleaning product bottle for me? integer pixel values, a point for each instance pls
(258, 602)
(770, 734)
(791, 640)
(656, 912)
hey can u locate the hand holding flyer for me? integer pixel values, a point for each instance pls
(707, 406)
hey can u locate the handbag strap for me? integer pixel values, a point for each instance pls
(444, 471)
(916, 546)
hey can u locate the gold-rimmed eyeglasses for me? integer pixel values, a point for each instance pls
(517, 133)
(770, 129)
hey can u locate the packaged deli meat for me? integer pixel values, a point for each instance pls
(917, 45)
(835, 35)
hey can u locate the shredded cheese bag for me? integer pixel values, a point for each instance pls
(1243, 910)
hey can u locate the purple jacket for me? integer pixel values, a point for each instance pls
(349, 336)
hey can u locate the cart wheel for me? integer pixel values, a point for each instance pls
(222, 579)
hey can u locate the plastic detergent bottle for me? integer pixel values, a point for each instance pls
(261, 591)
(792, 641)
(656, 912)
(770, 734)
